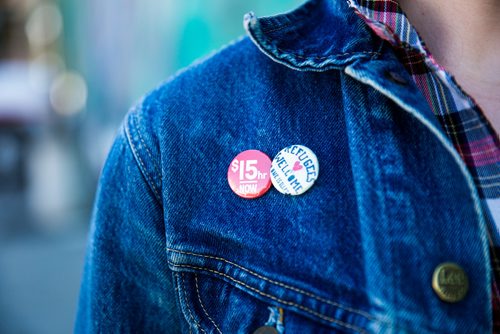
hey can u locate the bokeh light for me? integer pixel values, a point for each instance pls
(68, 93)
(44, 25)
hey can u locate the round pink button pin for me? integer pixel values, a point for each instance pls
(248, 174)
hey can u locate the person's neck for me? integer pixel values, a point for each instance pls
(464, 37)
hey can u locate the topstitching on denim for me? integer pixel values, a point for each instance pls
(286, 286)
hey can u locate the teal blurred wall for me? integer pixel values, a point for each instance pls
(125, 47)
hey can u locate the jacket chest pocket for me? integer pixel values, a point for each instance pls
(219, 296)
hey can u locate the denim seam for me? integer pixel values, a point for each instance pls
(183, 288)
(179, 299)
(287, 57)
(373, 53)
(201, 304)
(155, 166)
(141, 163)
(265, 42)
(178, 286)
(301, 307)
(259, 37)
(309, 294)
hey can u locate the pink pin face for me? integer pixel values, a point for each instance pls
(248, 174)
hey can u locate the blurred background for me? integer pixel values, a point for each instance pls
(69, 71)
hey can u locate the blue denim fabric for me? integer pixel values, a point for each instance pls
(174, 250)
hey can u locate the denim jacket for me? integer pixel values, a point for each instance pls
(173, 250)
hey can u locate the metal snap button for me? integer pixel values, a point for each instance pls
(266, 330)
(450, 282)
(397, 78)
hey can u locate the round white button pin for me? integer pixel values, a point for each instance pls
(294, 170)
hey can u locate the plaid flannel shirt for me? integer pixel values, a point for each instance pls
(461, 118)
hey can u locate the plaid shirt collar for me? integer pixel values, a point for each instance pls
(461, 118)
(388, 21)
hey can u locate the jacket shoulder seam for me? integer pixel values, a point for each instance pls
(137, 156)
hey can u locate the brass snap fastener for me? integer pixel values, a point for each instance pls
(266, 330)
(450, 282)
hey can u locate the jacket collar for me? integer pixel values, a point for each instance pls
(322, 35)
(318, 36)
